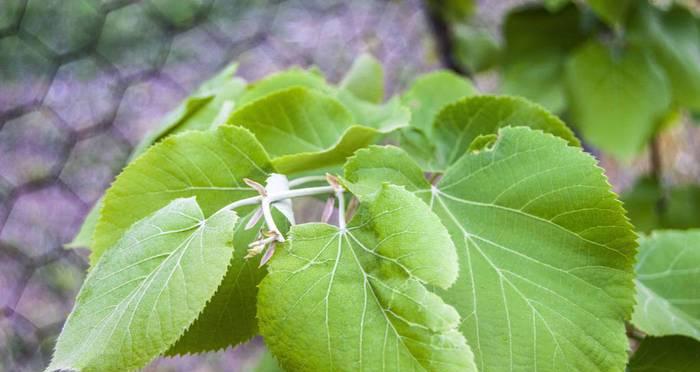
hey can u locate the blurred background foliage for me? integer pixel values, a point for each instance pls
(83, 81)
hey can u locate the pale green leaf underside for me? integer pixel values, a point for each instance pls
(616, 101)
(459, 123)
(365, 79)
(356, 300)
(666, 354)
(668, 301)
(545, 255)
(429, 93)
(210, 165)
(146, 290)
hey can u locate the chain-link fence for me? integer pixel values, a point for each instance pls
(81, 81)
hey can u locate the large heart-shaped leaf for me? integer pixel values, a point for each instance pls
(355, 298)
(667, 301)
(617, 97)
(545, 253)
(147, 289)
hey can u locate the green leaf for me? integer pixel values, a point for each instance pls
(667, 302)
(475, 48)
(385, 117)
(674, 37)
(147, 289)
(459, 123)
(303, 129)
(616, 97)
(426, 96)
(545, 254)
(365, 79)
(537, 43)
(294, 77)
(204, 109)
(356, 299)
(370, 167)
(666, 354)
(201, 110)
(229, 317)
(650, 208)
(612, 12)
(429, 93)
(210, 165)
(555, 5)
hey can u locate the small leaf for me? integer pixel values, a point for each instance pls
(210, 165)
(459, 123)
(386, 116)
(674, 37)
(545, 252)
(355, 299)
(199, 110)
(147, 289)
(365, 79)
(292, 78)
(426, 96)
(616, 100)
(369, 168)
(537, 43)
(475, 48)
(667, 302)
(429, 93)
(650, 208)
(666, 354)
(304, 130)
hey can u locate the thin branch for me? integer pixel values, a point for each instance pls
(303, 180)
(444, 38)
(281, 196)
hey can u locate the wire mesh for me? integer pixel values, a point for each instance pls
(81, 81)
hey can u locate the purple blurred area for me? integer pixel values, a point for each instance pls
(82, 81)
